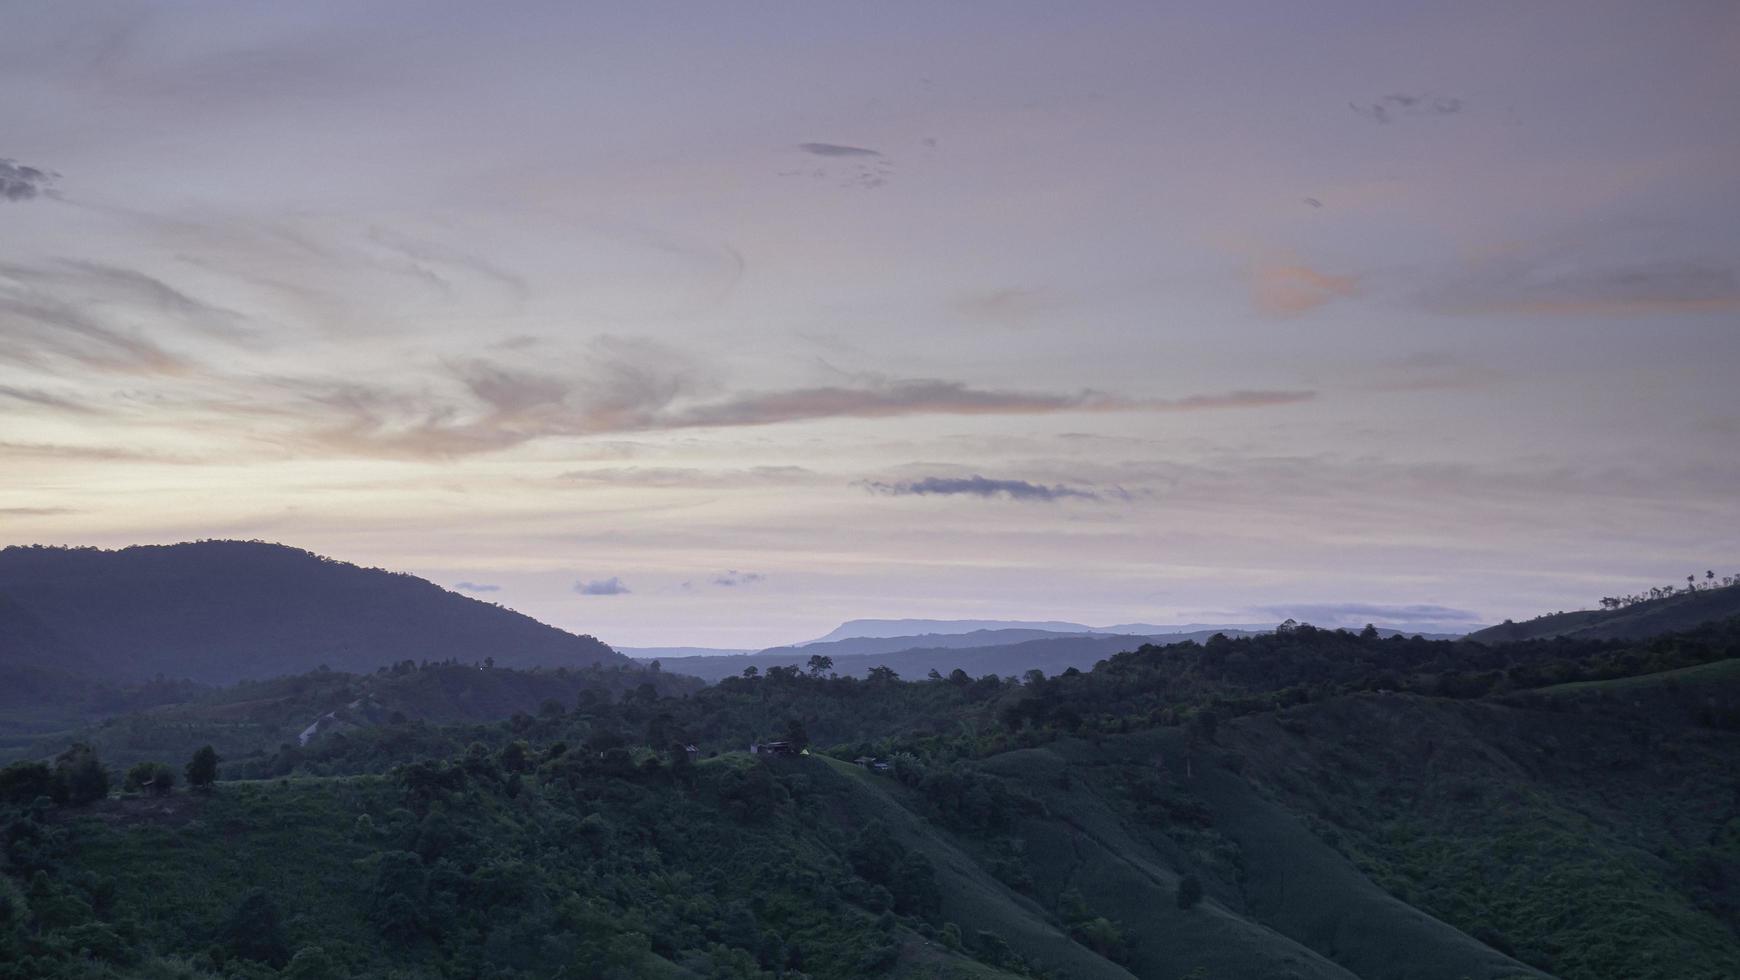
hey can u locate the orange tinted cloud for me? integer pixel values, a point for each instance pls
(1290, 290)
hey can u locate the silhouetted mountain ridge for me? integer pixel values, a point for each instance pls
(222, 611)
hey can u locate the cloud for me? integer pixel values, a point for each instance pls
(1569, 282)
(36, 396)
(856, 166)
(35, 511)
(1390, 107)
(734, 578)
(90, 314)
(1011, 304)
(837, 150)
(629, 388)
(101, 454)
(979, 486)
(21, 183)
(602, 586)
(476, 587)
(1292, 289)
(686, 476)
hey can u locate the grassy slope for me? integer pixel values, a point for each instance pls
(971, 896)
(1300, 905)
(1570, 838)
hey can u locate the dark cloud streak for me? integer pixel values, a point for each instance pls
(837, 150)
(602, 586)
(1387, 108)
(21, 183)
(979, 486)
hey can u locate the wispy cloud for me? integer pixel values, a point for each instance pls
(1562, 282)
(979, 486)
(1007, 305)
(21, 183)
(476, 587)
(48, 399)
(837, 150)
(99, 454)
(1290, 289)
(602, 586)
(91, 315)
(641, 388)
(734, 578)
(1396, 105)
(851, 166)
(688, 476)
(35, 511)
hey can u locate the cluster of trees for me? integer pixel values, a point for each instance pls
(1708, 582)
(77, 777)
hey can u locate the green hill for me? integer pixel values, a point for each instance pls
(1308, 804)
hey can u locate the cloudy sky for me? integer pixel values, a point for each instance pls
(718, 324)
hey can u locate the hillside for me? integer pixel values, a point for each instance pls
(1311, 804)
(222, 611)
(1650, 617)
(253, 719)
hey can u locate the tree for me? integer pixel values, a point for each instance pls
(751, 671)
(149, 777)
(1189, 892)
(883, 674)
(80, 775)
(797, 735)
(255, 930)
(23, 782)
(202, 768)
(820, 664)
(514, 757)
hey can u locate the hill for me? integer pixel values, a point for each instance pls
(1312, 804)
(222, 611)
(1681, 610)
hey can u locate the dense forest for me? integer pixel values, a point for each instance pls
(1309, 803)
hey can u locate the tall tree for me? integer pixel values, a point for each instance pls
(202, 768)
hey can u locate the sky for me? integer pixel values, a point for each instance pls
(718, 324)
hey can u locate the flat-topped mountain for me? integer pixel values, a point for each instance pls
(221, 611)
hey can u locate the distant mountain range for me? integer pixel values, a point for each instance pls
(892, 628)
(223, 611)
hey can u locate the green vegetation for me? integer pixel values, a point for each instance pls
(1282, 805)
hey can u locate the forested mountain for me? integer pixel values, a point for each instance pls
(1304, 804)
(1659, 610)
(222, 611)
